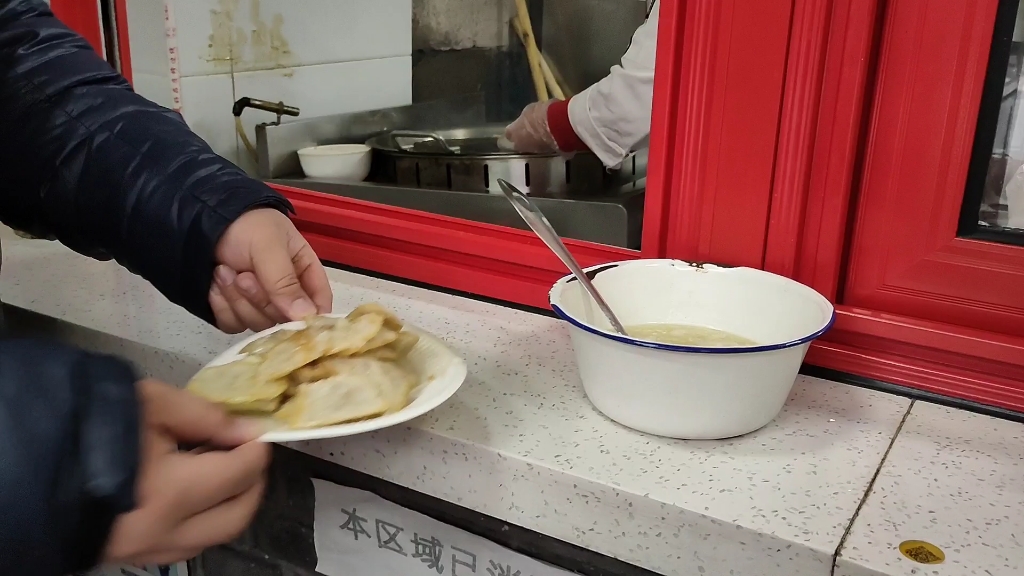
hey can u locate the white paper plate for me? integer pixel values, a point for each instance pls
(439, 369)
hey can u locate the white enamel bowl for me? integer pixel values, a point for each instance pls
(348, 162)
(684, 391)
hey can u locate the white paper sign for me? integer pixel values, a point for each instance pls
(357, 532)
(180, 569)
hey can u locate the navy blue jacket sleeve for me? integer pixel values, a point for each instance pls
(87, 160)
(69, 442)
(106, 172)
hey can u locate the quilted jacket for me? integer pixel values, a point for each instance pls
(111, 175)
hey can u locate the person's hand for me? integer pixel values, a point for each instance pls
(530, 133)
(266, 274)
(188, 501)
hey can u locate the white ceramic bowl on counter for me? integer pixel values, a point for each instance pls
(685, 391)
(348, 162)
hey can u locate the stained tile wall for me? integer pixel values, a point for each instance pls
(324, 56)
(150, 72)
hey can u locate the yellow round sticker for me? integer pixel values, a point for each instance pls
(922, 552)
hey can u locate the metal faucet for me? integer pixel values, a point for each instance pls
(279, 108)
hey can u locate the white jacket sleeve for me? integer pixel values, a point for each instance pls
(614, 115)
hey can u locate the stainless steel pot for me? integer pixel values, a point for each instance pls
(471, 160)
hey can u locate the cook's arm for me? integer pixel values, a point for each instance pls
(69, 444)
(612, 116)
(105, 170)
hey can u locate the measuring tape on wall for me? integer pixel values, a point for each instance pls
(173, 56)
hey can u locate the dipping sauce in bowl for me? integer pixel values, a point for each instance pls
(686, 335)
(710, 352)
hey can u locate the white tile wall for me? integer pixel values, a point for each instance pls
(146, 36)
(324, 89)
(324, 56)
(265, 34)
(206, 105)
(155, 87)
(150, 74)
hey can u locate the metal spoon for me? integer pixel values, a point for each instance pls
(540, 225)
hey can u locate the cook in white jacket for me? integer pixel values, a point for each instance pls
(608, 118)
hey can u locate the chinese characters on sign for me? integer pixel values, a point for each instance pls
(463, 558)
(387, 537)
(355, 524)
(357, 532)
(496, 569)
(429, 550)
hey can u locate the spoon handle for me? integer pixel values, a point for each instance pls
(536, 220)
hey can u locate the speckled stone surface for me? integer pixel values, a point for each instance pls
(520, 442)
(952, 479)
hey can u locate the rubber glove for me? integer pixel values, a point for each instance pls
(530, 133)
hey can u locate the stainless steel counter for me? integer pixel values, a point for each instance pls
(612, 216)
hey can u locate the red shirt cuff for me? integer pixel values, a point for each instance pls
(561, 128)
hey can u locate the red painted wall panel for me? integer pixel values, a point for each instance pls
(82, 16)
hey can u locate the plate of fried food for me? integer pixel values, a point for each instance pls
(332, 375)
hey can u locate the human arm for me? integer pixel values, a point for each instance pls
(91, 470)
(609, 118)
(103, 169)
(69, 444)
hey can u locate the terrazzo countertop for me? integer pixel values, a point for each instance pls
(520, 442)
(954, 480)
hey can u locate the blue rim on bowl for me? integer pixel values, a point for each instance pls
(674, 347)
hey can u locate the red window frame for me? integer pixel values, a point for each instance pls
(855, 149)
(123, 47)
(905, 255)
(712, 140)
(84, 17)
